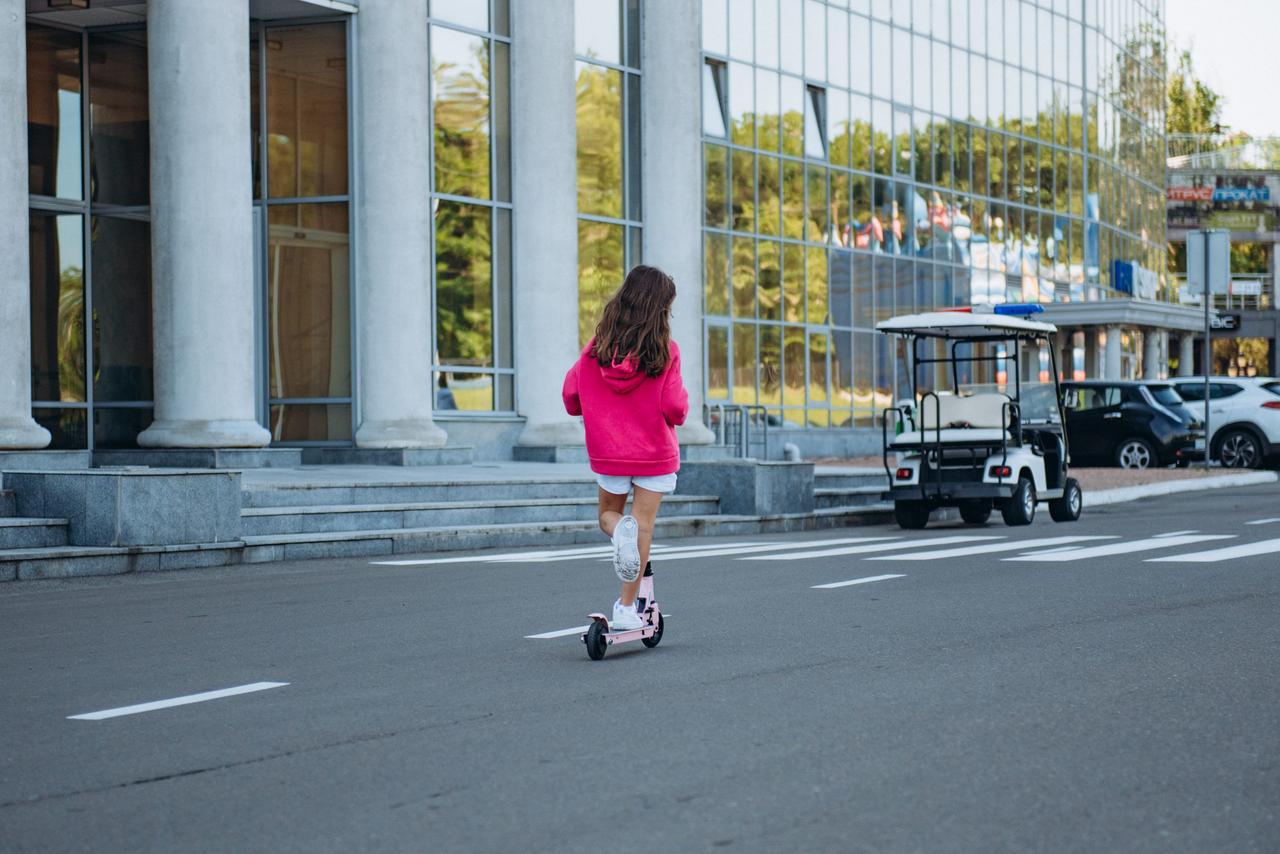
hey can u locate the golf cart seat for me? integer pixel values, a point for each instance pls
(974, 418)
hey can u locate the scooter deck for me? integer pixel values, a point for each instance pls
(611, 636)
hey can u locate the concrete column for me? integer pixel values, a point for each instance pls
(1186, 355)
(17, 429)
(1066, 353)
(1091, 367)
(1112, 364)
(671, 177)
(201, 226)
(393, 215)
(1151, 354)
(544, 190)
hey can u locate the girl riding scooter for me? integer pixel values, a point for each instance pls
(626, 385)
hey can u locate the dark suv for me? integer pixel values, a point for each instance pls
(1128, 424)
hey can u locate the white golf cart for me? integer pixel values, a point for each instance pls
(993, 440)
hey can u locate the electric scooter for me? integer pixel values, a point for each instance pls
(598, 638)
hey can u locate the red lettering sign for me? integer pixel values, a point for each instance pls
(1189, 194)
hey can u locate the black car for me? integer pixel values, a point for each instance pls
(1128, 424)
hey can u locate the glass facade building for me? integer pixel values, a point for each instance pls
(865, 159)
(857, 159)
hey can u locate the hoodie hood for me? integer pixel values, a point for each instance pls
(622, 376)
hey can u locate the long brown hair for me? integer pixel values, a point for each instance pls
(636, 322)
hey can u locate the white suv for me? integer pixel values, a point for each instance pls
(1244, 414)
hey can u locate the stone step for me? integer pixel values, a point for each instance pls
(8, 503)
(417, 491)
(856, 496)
(83, 561)
(826, 479)
(22, 533)
(200, 458)
(259, 521)
(410, 541)
(450, 455)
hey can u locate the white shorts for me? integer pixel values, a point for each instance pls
(621, 484)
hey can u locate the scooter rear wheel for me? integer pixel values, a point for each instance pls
(596, 644)
(651, 642)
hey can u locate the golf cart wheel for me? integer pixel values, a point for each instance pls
(975, 511)
(1068, 507)
(911, 515)
(1020, 508)
(651, 642)
(1239, 450)
(1136, 454)
(596, 644)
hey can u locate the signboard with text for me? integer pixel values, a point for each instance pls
(1233, 201)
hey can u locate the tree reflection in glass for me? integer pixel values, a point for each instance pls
(460, 80)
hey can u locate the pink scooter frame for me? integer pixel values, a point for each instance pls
(598, 637)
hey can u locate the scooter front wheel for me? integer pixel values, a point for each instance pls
(653, 640)
(596, 644)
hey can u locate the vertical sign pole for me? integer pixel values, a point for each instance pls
(1205, 295)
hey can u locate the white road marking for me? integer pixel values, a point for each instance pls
(867, 580)
(873, 547)
(1228, 553)
(940, 554)
(560, 633)
(1120, 548)
(1264, 521)
(591, 551)
(576, 630)
(1177, 533)
(720, 551)
(176, 701)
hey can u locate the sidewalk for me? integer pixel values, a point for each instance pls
(1115, 485)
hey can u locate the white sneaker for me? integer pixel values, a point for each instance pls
(626, 548)
(625, 618)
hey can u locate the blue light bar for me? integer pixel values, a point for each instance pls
(1019, 309)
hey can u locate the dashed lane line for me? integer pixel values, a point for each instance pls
(176, 701)
(833, 585)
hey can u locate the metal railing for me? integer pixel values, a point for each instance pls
(1211, 152)
(741, 427)
(1253, 292)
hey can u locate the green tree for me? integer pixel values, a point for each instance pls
(1191, 106)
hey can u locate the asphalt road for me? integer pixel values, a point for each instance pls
(1014, 698)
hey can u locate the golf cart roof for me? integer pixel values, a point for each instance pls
(964, 324)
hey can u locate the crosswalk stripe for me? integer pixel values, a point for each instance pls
(754, 548)
(986, 548)
(1264, 521)
(590, 551)
(851, 582)
(1120, 548)
(864, 549)
(1229, 553)
(541, 556)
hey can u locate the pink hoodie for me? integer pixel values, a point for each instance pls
(630, 417)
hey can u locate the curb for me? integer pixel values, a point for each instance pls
(1122, 494)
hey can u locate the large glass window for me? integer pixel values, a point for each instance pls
(306, 301)
(91, 351)
(920, 154)
(606, 41)
(471, 200)
(53, 113)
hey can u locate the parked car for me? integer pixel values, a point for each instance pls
(1128, 424)
(1244, 415)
